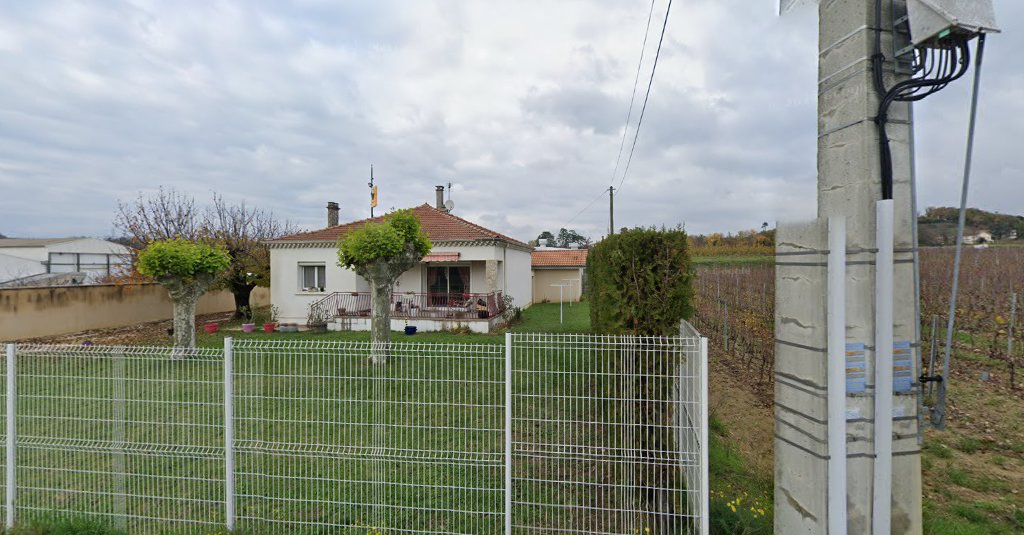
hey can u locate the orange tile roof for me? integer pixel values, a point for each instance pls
(438, 225)
(569, 258)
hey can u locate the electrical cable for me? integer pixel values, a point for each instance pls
(632, 97)
(936, 70)
(650, 82)
(588, 206)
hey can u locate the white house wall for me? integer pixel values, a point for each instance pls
(286, 287)
(514, 275)
(519, 277)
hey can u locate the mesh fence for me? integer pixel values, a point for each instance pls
(133, 434)
(327, 439)
(604, 436)
(603, 439)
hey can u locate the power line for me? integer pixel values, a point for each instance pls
(587, 207)
(650, 82)
(629, 113)
(632, 96)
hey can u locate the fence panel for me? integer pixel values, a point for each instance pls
(600, 438)
(327, 440)
(130, 434)
(605, 433)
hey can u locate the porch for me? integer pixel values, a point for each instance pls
(427, 311)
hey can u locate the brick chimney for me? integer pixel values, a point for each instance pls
(439, 193)
(332, 214)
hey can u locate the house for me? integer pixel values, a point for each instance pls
(979, 237)
(558, 267)
(461, 283)
(41, 262)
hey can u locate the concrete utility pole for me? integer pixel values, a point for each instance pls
(849, 185)
(611, 211)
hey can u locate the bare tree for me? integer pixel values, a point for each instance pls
(240, 229)
(243, 230)
(166, 215)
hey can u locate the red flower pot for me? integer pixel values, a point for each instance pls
(211, 327)
(269, 327)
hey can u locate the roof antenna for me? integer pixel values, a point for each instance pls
(449, 205)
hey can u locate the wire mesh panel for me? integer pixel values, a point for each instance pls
(130, 434)
(601, 437)
(327, 441)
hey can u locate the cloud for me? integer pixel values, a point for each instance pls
(521, 105)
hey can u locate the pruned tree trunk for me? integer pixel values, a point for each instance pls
(185, 295)
(380, 322)
(242, 294)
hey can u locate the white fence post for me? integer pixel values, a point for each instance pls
(508, 433)
(705, 487)
(229, 436)
(12, 435)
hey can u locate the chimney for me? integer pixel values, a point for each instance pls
(332, 214)
(439, 191)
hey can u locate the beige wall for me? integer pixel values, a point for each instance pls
(34, 312)
(544, 278)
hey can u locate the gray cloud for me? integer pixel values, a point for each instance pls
(519, 104)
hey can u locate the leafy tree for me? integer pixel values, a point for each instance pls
(187, 269)
(546, 235)
(567, 237)
(240, 229)
(380, 253)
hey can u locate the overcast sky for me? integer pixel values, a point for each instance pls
(520, 104)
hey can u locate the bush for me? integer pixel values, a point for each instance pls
(640, 282)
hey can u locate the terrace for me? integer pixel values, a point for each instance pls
(432, 311)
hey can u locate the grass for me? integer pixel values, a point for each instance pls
(307, 459)
(741, 501)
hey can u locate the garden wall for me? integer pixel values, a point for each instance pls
(50, 311)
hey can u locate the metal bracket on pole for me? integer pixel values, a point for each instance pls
(837, 375)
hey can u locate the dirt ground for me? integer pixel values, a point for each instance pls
(143, 333)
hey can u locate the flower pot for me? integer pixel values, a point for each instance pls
(248, 327)
(410, 330)
(288, 328)
(211, 327)
(269, 327)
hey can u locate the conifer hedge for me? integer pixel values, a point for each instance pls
(640, 282)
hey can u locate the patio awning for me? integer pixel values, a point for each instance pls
(442, 257)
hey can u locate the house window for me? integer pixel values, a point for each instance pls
(313, 278)
(445, 281)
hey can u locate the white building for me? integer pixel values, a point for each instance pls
(65, 260)
(461, 282)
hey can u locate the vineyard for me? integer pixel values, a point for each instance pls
(973, 471)
(736, 308)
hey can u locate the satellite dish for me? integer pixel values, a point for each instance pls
(785, 6)
(449, 205)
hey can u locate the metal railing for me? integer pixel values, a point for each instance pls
(411, 305)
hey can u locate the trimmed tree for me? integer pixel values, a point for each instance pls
(640, 283)
(186, 269)
(380, 253)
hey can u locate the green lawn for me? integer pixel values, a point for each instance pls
(326, 442)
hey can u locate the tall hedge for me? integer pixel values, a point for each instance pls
(640, 282)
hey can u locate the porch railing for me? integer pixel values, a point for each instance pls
(413, 305)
